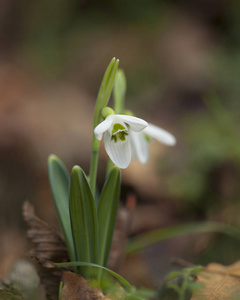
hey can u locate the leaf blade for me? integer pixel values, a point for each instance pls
(83, 218)
(107, 211)
(59, 183)
(77, 264)
(141, 241)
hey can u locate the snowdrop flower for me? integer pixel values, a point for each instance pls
(140, 140)
(116, 130)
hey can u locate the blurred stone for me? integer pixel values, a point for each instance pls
(23, 276)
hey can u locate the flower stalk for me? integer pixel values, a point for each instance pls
(101, 102)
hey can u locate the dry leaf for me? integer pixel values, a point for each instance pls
(219, 282)
(8, 292)
(49, 248)
(49, 245)
(75, 287)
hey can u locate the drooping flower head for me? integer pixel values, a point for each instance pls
(116, 130)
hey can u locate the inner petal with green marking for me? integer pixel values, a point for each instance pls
(119, 132)
(147, 137)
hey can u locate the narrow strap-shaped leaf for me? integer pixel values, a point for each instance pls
(123, 281)
(105, 89)
(84, 218)
(143, 240)
(59, 182)
(102, 101)
(107, 210)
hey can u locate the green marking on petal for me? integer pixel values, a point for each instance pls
(118, 127)
(147, 138)
(114, 137)
(121, 135)
(119, 132)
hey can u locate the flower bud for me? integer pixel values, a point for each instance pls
(106, 111)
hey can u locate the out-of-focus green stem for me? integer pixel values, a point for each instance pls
(119, 92)
(110, 165)
(102, 100)
(94, 164)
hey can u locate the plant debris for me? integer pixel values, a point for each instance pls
(49, 248)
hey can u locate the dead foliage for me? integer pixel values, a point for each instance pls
(219, 282)
(49, 245)
(48, 248)
(75, 287)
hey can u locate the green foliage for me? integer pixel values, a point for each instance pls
(107, 211)
(83, 219)
(105, 90)
(140, 294)
(59, 183)
(101, 102)
(179, 285)
(119, 91)
(146, 239)
(83, 223)
(92, 265)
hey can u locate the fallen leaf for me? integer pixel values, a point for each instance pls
(75, 287)
(49, 245)
(219, 282)
(49, 248)
(8, 292)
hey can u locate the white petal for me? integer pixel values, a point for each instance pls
(136, 124)
(139, 146)
(119, 152)
(160, 134)
(102, 127)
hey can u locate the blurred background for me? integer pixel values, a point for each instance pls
(182, 63)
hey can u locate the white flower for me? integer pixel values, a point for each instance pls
(116, 137)
(140, 140)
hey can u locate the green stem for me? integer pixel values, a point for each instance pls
(110, 165)
(94, 164)
(60, 290)
(102, 100)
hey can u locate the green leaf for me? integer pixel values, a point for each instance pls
(119, 91)
(146, 239)
(105, 89)
(108, 82)
(101, 102)
(107, 211)
(123, 281)
(60, 290)
(84, 218)
(59, 183)
(174, 274)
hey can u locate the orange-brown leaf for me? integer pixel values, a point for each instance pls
(75, 287)
(49, 248)
(219, 282)
(49, 245)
